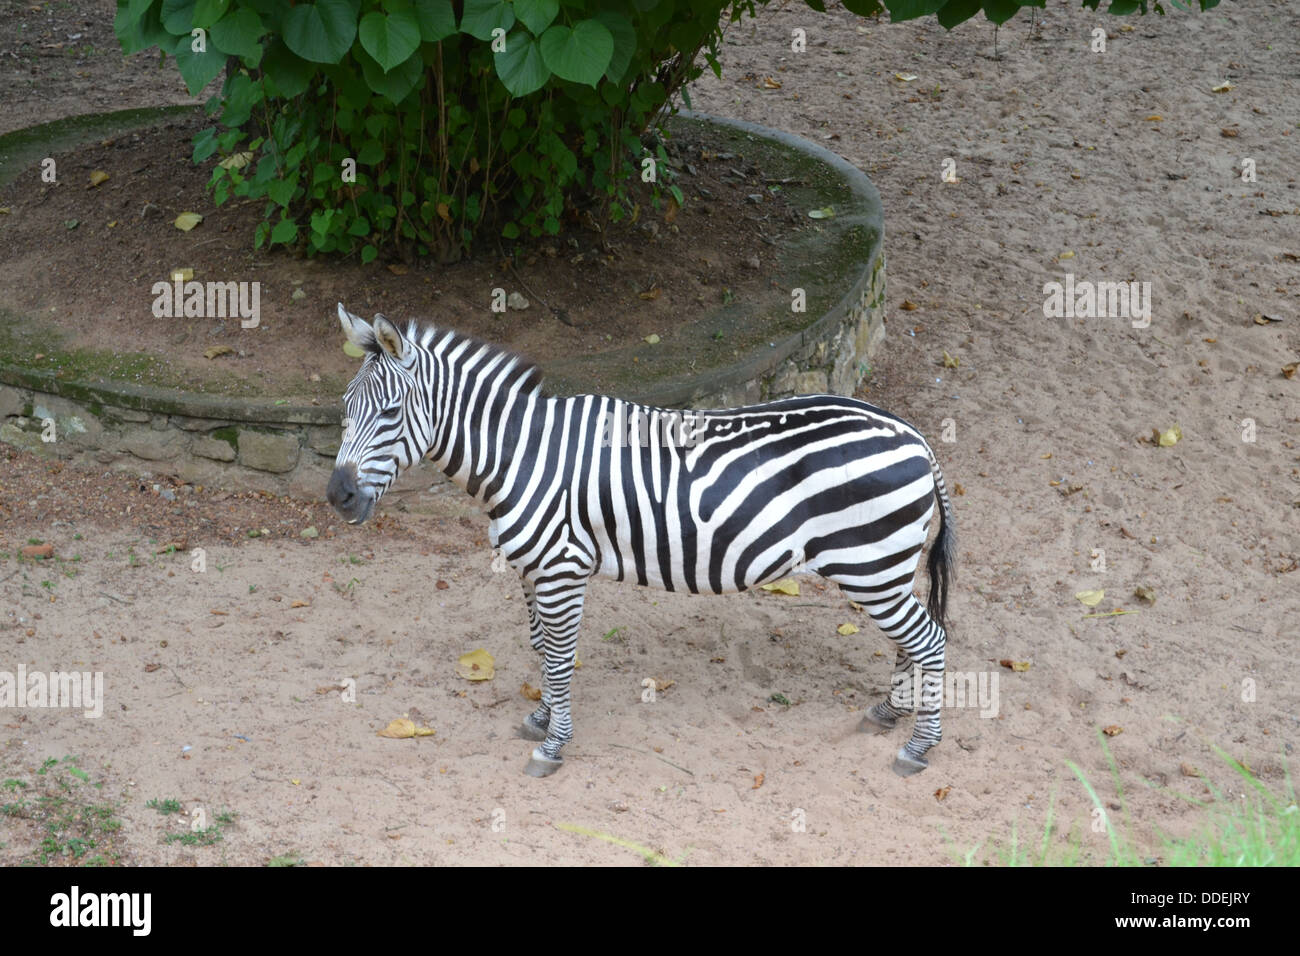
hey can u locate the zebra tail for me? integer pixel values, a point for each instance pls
(942, 563)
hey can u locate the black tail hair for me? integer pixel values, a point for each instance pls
(942, 563)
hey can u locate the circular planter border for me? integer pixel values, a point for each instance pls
(223, 441)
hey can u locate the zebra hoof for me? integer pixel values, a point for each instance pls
(906, 765)
(540, 765)
(873, 723)
(531, 731)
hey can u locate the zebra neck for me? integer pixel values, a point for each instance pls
(482, 437)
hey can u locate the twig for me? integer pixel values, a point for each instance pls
(1108, 614)
(656, 756)
(114, 597)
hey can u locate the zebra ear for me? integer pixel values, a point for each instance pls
(390, 339)
(355, 328)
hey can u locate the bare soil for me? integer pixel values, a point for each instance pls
(86, 261)
(1062, 168)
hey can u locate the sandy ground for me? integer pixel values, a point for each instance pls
(1058, 150)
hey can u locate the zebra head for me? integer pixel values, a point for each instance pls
(380, 434)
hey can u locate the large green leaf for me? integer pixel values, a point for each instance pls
(863, 8)
(288, 72)
(911, 9)
(139, 32)
(322, 31)
(520, 65)
(1000, 11)
(393, 38)
(579, 54)
(394, 84)
(178, 16)
(537, 15)
(958, 11)
(481, 17)
(437, 19)
(135, 7)
(240, 32)
(198, 69)
(624, 34)
(208, 12)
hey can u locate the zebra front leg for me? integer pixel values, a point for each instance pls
(536, 724)
(559, 606)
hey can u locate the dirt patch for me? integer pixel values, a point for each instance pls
(583, 293)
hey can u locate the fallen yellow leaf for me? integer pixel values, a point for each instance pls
(97, 177)
(236, 160)
(785, 586)
(847, 629)
(476, 665)
(1090, 598)
(402, 728)
(215, 350)
(1169, 436)
(1221, 88)
(187, 221)
(950, 361)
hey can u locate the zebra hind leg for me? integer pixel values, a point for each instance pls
(901, 701)
(536, 724)
(922, 643)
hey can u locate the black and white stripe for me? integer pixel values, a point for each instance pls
(705, 502)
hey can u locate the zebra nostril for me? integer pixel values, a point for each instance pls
(342, 490)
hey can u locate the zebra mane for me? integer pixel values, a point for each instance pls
(427, 335)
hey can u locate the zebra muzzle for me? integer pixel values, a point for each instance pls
(346, 496)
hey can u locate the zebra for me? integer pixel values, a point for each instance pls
(721, 502)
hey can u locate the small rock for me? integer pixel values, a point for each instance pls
(298, 295)
(310, 532)
(38, 551)
(753, 263)
(516, 301)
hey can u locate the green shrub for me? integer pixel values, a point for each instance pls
(423, 124)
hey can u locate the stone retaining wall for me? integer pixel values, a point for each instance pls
(239, 445)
